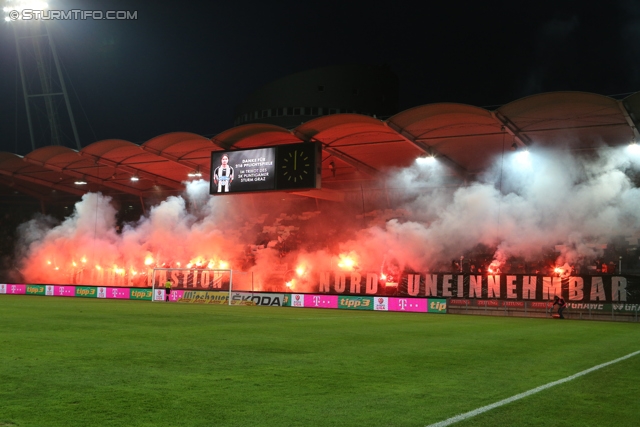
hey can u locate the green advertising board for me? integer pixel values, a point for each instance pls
(144, 294)
(36, 290)
(626, 308)
(86, 291)
(598, 307)
(437, 305)
(355, 303)
(587, 307)
(286, 300)
(205, 297)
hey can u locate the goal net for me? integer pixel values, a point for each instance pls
(191, 282)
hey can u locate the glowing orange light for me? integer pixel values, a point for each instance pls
(289, 284)
(383, 276)
(49, 262)
(189, 265)
(98, 267)
(84, 259)
(223, 264)
(148, 261)
(178, 264)
(300, 271)
(558, 270)
(74, 263)
(346, 262)
(494, 267)
(57, 268)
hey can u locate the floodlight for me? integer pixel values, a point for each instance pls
(80, 182)
(135, 178)
(634, 148)
(14, 8)
(425, 159)
(522, 157)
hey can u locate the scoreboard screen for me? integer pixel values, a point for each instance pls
(283, 167)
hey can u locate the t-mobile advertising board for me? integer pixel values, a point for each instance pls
(13, 289)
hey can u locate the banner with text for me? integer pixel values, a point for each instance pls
(585, 289)
(196, 279)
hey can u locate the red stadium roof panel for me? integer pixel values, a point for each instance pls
(132, 159)
(323, 124)
(17, 169)
(433, 122)
(575, 119)
(254, 135)
(186, 148)
(356, 148)
(366, 143)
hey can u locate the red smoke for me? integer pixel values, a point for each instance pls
(562, 207)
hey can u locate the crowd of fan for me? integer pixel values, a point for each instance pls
(547, 267)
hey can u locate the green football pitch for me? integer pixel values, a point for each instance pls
(88, 362)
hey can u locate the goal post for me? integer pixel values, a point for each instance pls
(191, 279)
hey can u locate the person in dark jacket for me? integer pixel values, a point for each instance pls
(561, 305)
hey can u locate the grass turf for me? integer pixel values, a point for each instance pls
(88, 362)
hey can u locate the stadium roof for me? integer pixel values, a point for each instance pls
(356, 148)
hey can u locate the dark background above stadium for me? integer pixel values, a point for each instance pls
(185, 67)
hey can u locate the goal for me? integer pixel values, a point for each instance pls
(191, 279)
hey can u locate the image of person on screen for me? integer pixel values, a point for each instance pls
(223, 175)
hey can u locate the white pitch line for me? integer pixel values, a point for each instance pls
(479, 411)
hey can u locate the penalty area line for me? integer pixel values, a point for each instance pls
(483, 409)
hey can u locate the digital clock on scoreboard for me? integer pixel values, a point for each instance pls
(297, 167)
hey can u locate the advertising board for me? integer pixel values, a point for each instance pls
(355, 303)
(418, 305)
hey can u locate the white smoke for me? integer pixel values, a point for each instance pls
(519, 208)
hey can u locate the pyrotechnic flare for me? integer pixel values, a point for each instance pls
(513, 210)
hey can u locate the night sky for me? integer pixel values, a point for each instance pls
(185, 67)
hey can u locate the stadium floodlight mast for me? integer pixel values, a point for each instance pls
(41, 85)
